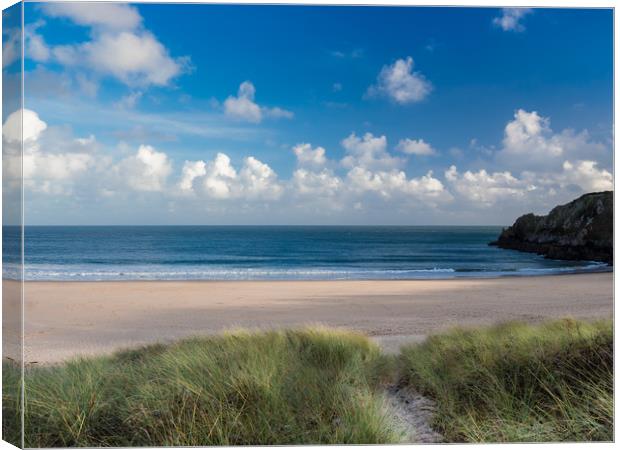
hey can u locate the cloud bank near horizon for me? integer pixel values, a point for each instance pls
(370, 176)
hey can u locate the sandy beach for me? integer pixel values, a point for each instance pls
(66, 319)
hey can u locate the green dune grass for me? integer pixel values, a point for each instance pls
(513, 382)
(306, 386)
(516, 382)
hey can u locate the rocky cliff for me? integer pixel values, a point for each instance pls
(581, 229)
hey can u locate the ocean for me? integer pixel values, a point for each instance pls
(270, 253)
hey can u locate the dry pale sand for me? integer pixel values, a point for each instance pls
(64, 319)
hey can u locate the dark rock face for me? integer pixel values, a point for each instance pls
(579, 230)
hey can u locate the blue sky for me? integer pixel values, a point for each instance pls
(293, 114)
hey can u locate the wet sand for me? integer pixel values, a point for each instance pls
(66, 319)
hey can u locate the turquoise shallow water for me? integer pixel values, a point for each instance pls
(270, 253)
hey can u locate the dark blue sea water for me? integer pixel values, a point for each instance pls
(270, 253)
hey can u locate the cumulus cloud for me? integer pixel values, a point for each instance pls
(191, 171)
(243, 107)
(316, 184)
(510, 19)
(55, 167)
(400, 83)
(395, 182)
(307, 156)
(112, 16)
(146, 171)
(530, 143)
(220, 177)
(584, 174)
(135, 58)
(51, 160)
(485, 188)
(534, 169)
(368, 152)
(219, 180)
(120, 47)
(258, 180)
(367, 178)
(372, 169)
(33, 126)
(416, 147)
(371, 174)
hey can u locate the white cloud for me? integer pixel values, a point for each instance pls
(244, 108)
(485, 188)
(307, 156)
(416, 147)
(400, 83)
(219, 180)
(53, 167)
(586, 175)
(313, 181)
(316, 184)
(368, 152)
(526, 131)
(373, 170)
(36, 48)
(510, 20)
(147, 170)
(191, 171)
(112, 16)
(395, 182)
(534, 169)
(33, 126)
(220, 176)
(51, 160)
(369, 176)
(530, 143)
(278, 113)
(119, 47)
(258, 180)
(135, 58)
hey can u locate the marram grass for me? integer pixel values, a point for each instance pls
(516, 382)
(281, 387)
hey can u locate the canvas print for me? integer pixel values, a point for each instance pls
(229, 224)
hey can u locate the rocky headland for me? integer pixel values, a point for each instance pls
(579, 230)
